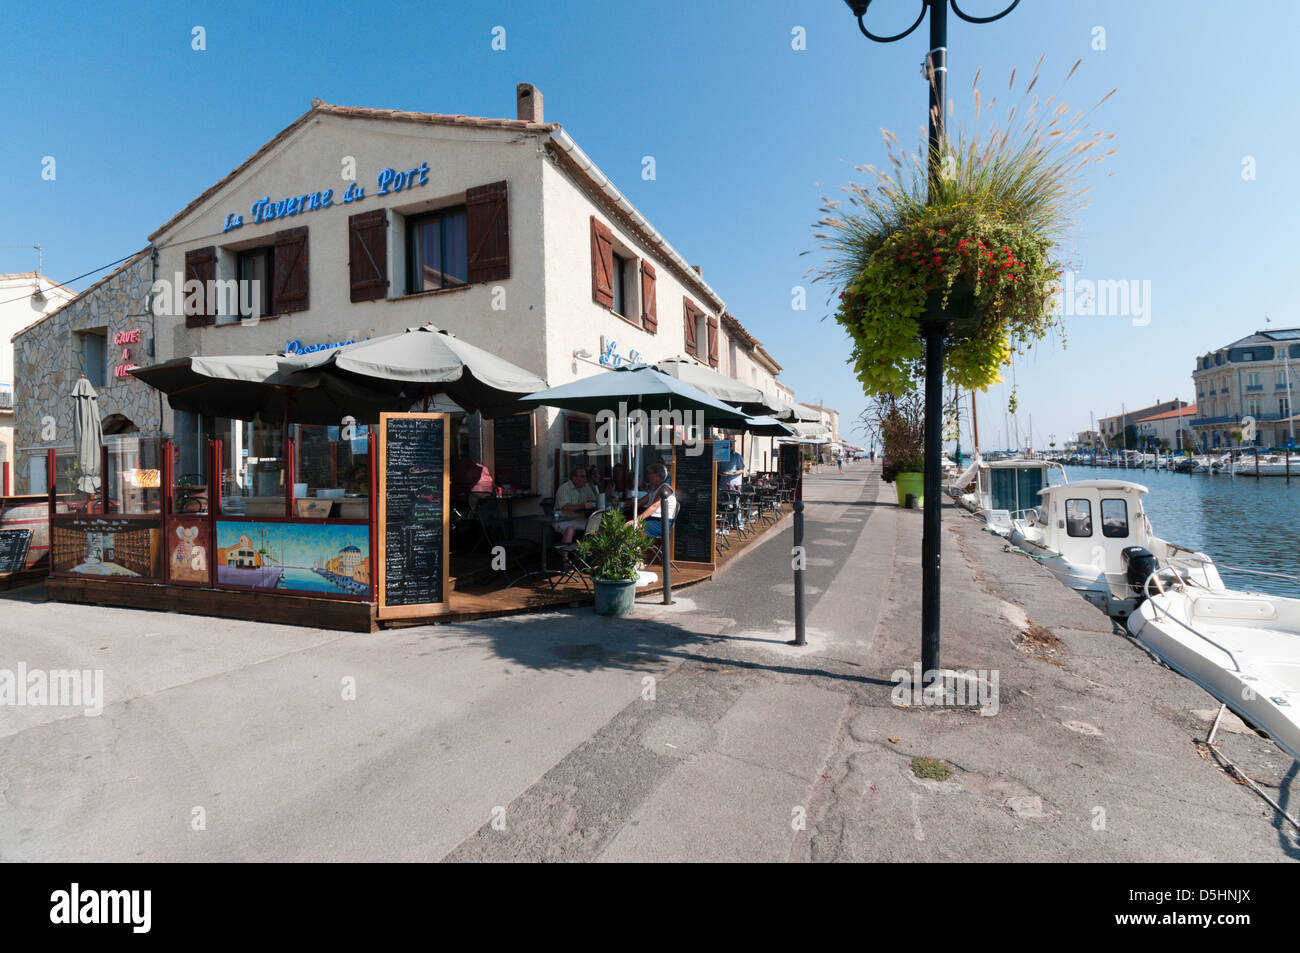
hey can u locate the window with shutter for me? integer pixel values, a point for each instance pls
(488, 211)
(649, 306)
(289, 290)
(368, 255)
(602, 264)
(200, 266)
(688, 326)
(713, 341)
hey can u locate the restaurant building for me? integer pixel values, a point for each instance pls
(350, 224)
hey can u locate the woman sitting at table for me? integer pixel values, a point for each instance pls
(656, 476)
(619, 483)
(575, 500)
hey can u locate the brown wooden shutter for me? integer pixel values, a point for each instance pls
(649, 306)
(602, 264)
(289, 290)
(487, 227)
(368, 255)
(713, 341)
(201, 266)
(688, 326)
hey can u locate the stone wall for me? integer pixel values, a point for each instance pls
(48, 359)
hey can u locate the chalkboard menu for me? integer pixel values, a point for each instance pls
(512, 451)
(412, 531)
(695, 482)
(790, 460)
(13, 549)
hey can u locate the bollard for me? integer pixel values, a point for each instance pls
(799, 635)
(664, 492)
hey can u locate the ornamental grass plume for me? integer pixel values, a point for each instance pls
(1005, 198)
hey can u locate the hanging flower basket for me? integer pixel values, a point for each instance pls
(969, 250)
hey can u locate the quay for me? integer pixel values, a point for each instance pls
(683, 732)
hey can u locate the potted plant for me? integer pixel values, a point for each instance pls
(970, 248)
(899, 423)
(613, 552)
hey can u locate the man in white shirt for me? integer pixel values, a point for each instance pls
(574, 501)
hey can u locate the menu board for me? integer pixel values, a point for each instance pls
(695, 484)
(412, 531)
(512, 451)
(790, 460)
(13, 549)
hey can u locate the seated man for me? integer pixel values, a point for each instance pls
(575, 500)
(656, 476)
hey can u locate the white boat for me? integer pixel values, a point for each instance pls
(1094, 536)
(1270, 465)
(1241, 647)
(1000, 490)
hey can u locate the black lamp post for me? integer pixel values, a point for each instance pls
(935, 324)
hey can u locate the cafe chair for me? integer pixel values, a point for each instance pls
(657, 548)
(493, 533)
(572, 565)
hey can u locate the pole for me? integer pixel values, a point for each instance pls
(667, 553)
(800, 636)
(974, 424)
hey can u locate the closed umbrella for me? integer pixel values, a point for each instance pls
(745, 396)
(426, 360)
(640, 387)
(87, 435)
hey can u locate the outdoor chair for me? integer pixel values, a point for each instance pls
(572, 565)
(494, 533)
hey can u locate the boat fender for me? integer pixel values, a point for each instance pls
(1138, 565)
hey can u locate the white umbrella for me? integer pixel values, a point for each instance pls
(87, 434)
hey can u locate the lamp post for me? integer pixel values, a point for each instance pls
(934, 329)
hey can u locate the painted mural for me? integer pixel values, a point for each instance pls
(189, 551)
(107, 546)
(320, 558)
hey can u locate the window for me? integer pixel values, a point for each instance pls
(438, 251)
(619, 279)
(93, 356)
(1252, 379)
(256, 270)
(733, 360)
(1078, 517)
(1254, 407)
(1114, 519)
(1283, 408)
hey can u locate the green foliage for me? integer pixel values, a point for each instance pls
(987, 226)
(931, 768)
(615, 548)
(899, 423)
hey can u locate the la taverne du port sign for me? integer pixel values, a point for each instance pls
(387, 181)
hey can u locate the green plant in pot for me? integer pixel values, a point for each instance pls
(899, 424)
(613, 552)
(971, 249)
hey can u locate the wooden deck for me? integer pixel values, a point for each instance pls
(483, 599)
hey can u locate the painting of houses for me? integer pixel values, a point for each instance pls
(303, 557)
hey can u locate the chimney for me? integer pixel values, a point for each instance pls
(699, 271)
(529, 102)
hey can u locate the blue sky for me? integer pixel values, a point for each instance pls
(747, 134)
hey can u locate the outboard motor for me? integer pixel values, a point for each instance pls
(1138, 565)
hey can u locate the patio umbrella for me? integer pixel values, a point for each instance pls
(787, 411)
(745, 396)
(426, 360)
(641, 387)
(809, 430)
(87, 434)
(243, 386)
(763, 426)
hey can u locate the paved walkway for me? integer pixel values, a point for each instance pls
(684, 732)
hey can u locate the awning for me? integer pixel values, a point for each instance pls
(745, 396)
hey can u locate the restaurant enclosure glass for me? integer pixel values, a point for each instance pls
(255, 511)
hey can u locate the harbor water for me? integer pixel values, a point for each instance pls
(1239, 521)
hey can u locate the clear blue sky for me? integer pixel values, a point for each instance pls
(747, 135)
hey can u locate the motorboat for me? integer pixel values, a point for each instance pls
(1241, 647)
(1094, 536)
(1266, 465)
(1000, 490)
